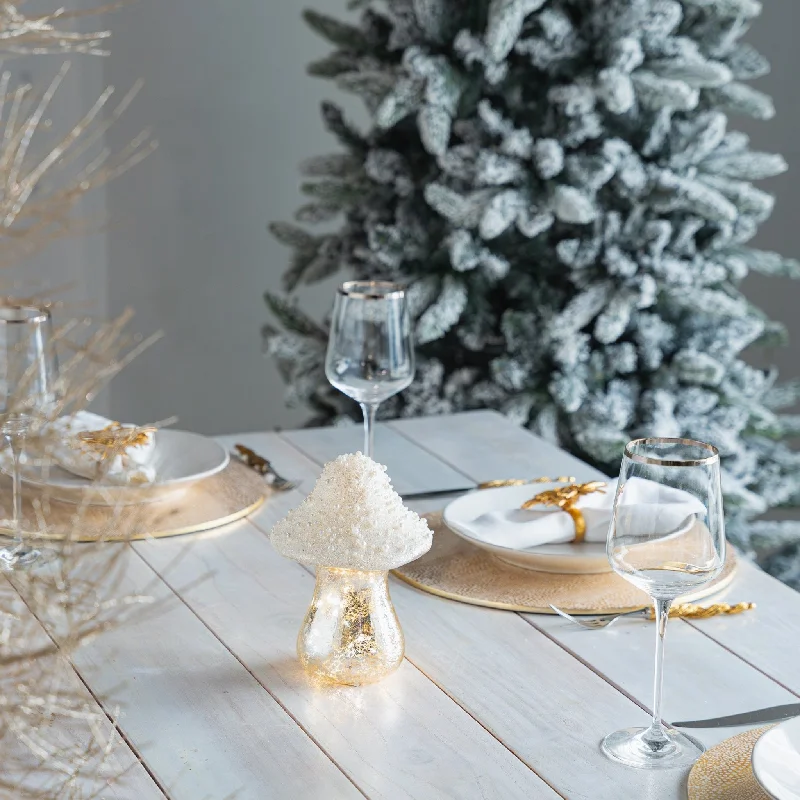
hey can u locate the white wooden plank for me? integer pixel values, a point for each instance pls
(203, 725)
(767, 637)
(521, 688)
(549, 708)
(485, 446)
(411, 468)
(120, 775)
(401, 738)
(703, 679)
(543, 703)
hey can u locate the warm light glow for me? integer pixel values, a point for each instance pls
(350, 634)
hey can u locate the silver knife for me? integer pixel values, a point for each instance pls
(443, 493)
(762, 715)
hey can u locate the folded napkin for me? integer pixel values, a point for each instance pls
(647, 508)
(119, 465)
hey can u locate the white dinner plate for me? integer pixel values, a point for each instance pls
(776, 761)
(571, 557)
(180, 459)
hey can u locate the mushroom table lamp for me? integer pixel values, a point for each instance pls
(354, 528)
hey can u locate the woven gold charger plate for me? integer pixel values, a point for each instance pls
(725, 772)
(234, 493)
(458, 570)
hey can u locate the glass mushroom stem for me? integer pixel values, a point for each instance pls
(350, 633)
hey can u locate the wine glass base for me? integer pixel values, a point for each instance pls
(632, 748)
(15, 559)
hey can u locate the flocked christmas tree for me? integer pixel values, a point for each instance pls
(559, 184)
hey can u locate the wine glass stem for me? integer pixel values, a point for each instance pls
(655, 733)
(369, 410)
(16, 492)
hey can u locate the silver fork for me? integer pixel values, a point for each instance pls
(682, 610)
(281, 484)
(263, 467)
(605, 621)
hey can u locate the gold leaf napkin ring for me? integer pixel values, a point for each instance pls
(566, 498)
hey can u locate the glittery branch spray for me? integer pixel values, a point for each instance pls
(354, 528)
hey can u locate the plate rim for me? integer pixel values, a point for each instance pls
(760, 744)
(170, 483)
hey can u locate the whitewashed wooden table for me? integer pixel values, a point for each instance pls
(488, 704)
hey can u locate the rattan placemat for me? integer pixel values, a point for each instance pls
(725, 771)
(234, 493)
(458, 570)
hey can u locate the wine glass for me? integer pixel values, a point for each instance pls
(667, 536)
(370, 353)
(28, 377)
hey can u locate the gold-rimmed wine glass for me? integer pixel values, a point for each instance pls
(667, 537)
(28, 378)
(370, 353)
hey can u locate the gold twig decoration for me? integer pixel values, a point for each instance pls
(49, 725)
(691, 611)
(566, 498)
(42, 33)
(35, 207)
(56, 741)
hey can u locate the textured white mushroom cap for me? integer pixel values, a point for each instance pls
(353, 519)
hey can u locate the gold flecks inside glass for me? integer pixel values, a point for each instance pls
(350, 633)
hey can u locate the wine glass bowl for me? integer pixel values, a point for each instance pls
(28, 370)
(666, 533)
(370, 355)
(667, 537)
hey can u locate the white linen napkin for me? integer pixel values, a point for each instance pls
(649, 509)
(131, 466)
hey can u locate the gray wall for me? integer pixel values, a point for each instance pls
(774, 35)
(229, 101)
(234, 113)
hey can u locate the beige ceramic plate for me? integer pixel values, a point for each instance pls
(570, 558)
